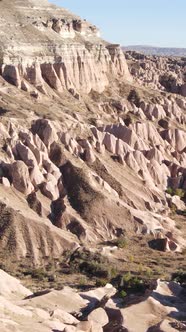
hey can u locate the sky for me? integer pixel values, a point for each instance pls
(134, 22)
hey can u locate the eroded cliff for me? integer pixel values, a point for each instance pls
(46, 45)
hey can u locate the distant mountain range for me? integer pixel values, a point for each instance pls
(152, 50)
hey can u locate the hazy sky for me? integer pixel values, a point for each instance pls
(134, 22)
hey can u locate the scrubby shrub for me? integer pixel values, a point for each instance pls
(129, 283)
(120, 242)
(181, 213)
(113, 272)
(148, 272)
(92, 265)
(82, 281)
(101, 282)
(170, 191)
(178, 192)
(179, 227)
(95, 269)
(131, 258)
(122, 294)
(39, 273)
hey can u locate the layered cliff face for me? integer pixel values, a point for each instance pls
(46, 45)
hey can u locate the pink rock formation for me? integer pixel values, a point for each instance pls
(20, 177)
(176, 137)
(46, 131)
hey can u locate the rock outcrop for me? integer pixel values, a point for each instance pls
(64, 52)
(159, 310)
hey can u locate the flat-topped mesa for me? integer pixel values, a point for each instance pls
(48, 46)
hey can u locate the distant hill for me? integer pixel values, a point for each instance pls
(151, 50)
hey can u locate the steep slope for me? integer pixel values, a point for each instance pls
(87, 155)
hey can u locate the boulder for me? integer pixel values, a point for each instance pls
(64, 317)
(110, 142)
(36, 176)
(176, 200)
(46, 131)
(10, 285)
(84, 326)
(164, 244)
(26, 155)
(50, 190)
(57, 155)
(98, 316)
(100, 147)
(89, 155)
(20, 177)
(5, 182)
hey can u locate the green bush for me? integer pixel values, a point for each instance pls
(39, 274)
(120, 242)
(131, 283)
(178, 192)
(82, 281)
(101, 282)
(113, 272)
(170, 191)
(148, 272)
(92, 265)
(95, 269)
(122, 294)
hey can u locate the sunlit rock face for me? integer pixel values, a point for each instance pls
(47, 45)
